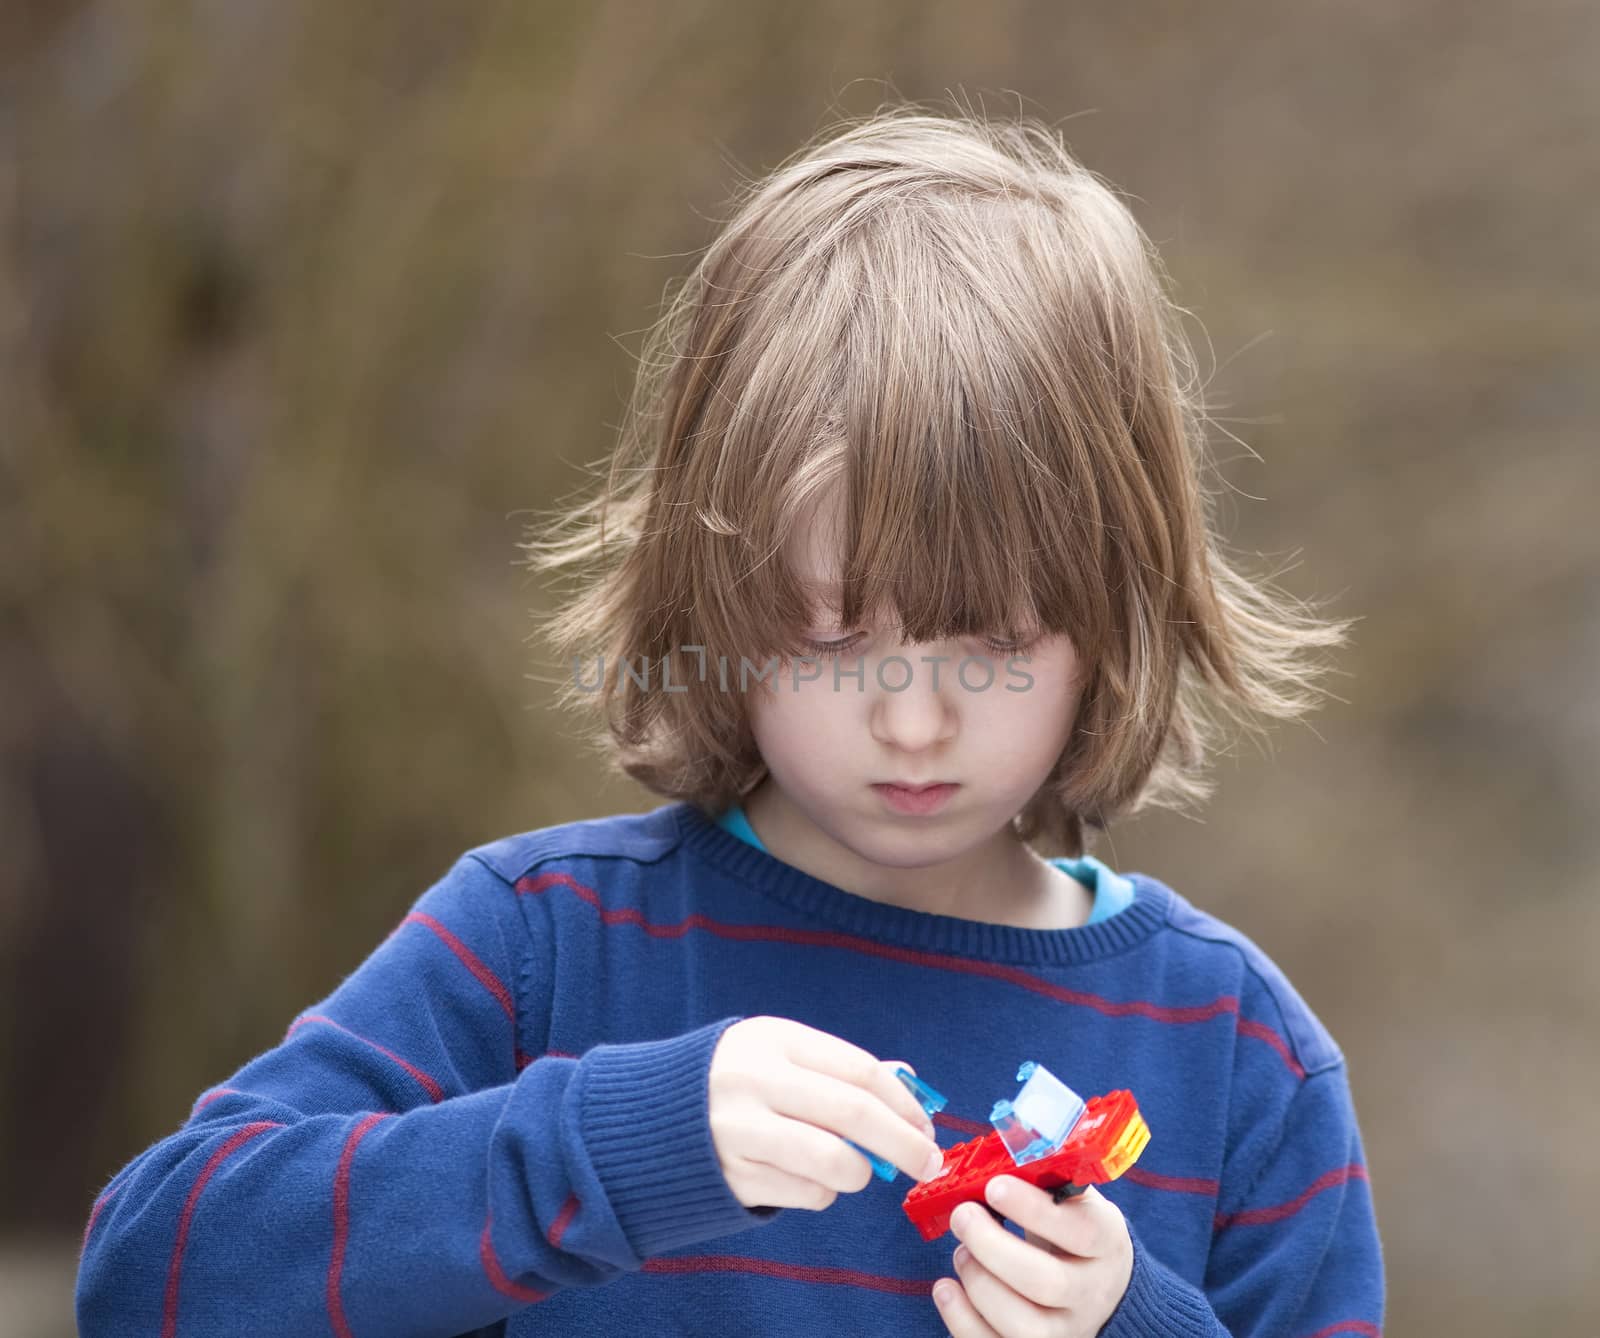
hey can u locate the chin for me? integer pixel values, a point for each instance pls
(914, 848)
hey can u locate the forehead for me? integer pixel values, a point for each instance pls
(815, 546)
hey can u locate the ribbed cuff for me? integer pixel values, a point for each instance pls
(1160, 1304)
(647, 1127)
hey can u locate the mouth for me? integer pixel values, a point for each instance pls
(916, 799)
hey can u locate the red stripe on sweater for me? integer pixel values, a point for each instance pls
(341, 1221)
(98, 1205)
(470, 960)
(169, 1318)
(840, 1277)
(497, 1275)
(1178, 1184)
(967, 1128)
(1260, 1216)
(1360, 1326)
(1223, 1004)
(1262, 1032)
(558, 1228)
(434, 1091)
(482, 974)
(524, 1060)
(209, 1097)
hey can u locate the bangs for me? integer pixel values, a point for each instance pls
(927, 426)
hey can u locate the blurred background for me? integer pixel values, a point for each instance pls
(303, 307)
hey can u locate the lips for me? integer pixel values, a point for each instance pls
(917, 800)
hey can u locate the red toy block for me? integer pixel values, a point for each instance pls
(1107, 1139)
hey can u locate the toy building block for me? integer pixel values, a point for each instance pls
(1041, 1117)
(1047, 1136)
(930, 1100)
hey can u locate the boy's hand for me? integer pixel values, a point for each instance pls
(1062, 1280)
(785, 1096)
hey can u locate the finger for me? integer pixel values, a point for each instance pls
(852, 1112)
(858, 1114)
(840, 1059)
(1032, 1272)
(806, 1150)
(1045, 1245)
(998, 1305)
(763, 1185)
(1084, 1225)
(957, 1312)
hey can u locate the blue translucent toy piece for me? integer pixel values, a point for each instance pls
(930, 1101)
(1045, 1111)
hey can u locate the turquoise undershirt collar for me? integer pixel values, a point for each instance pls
(1112, 892)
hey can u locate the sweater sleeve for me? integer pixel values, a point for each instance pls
(1295, 1254)
(396, 1166)
(1298, 1251)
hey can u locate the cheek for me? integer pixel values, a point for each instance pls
(794, 727)
(1033, 723)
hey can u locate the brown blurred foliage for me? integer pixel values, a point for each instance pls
(301, 305)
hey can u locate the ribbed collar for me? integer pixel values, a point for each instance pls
(768, 875)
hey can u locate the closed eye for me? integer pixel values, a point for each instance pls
(828, 649)
(1013, 646)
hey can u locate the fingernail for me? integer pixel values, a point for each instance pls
(934, 1166)
(927, 1128)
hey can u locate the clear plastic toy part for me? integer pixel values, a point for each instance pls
(1038, 1121)
(930, 1101)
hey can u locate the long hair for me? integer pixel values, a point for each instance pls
(965, 329)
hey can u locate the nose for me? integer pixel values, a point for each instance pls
(919, 714)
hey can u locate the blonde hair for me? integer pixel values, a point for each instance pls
(968, 330)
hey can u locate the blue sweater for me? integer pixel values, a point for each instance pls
(497, 1124)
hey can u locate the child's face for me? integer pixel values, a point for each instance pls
(827, 748)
